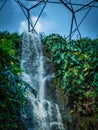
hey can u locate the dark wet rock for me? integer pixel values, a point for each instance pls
(55, 126)
(40, 113)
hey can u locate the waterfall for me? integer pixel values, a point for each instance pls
(45, 114)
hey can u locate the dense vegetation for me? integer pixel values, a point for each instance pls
(76, 67)
(11, 91)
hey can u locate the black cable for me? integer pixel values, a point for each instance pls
(36, 5)
(40, 13)
(31, 22)
(73, 20)
(66, 5)
(84, 6)
(27, 15)
(81, 20)
(51, 2)
(3, 4)
(21, 4)
(2, 0)
(77, 26)
(22, 8)
(66, 0)
(71, 27)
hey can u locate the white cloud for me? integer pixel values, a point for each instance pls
(43, 25)
(38, 26)
(23, 26)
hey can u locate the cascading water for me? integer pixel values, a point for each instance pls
(46, 115)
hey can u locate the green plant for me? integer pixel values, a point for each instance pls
(11, 91)
(76, 66)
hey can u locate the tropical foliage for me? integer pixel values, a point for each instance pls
(76, 67)
(11, 91)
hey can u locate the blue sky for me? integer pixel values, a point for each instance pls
(55, 19)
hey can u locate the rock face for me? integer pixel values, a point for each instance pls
(58, 95)
(42, 111)
(69, 118)
(51, 87)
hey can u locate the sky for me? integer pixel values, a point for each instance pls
(55, 19)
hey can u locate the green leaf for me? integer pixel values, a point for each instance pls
(62, 56)
(14, 125)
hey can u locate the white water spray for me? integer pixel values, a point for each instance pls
(46, 114)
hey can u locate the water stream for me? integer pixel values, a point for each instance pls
(46, 114)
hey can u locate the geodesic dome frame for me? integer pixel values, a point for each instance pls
(68, 4)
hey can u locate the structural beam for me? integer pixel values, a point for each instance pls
(68, 4)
